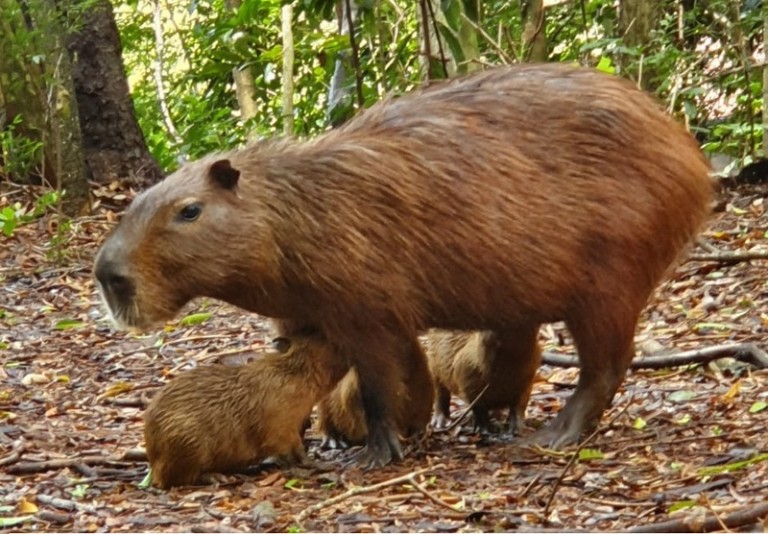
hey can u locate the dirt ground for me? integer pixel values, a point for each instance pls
(683, 444)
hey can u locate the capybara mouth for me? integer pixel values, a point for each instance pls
(124, 314)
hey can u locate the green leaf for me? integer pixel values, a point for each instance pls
(590, 454)
(680, 505)
(683, 419)
(639, 423)
(79, 491)
(146, 482)
(11, 521)
(292, 483)
(734, 466)
(67, 324)
(605, 65)
(195, 318)
(682, 395)
(758, 406)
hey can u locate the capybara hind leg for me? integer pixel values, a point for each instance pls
(379, 363)
(442, 415)
(517, 361)
(605, 347)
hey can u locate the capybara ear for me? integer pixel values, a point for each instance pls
(281, 344)
(223, 174)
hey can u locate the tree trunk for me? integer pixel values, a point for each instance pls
(113, 143)
(637, 19)
(287, 16)
(245, 87)
(534, 31)
(340, 98)
(39, 95)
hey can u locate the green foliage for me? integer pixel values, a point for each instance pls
(11, 217)
(20, 156)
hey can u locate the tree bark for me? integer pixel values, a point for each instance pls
(765, 83)
(637, 19)
(245, 87)
(534, 31)
(113, 144)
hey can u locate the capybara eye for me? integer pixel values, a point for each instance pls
(190, 212)
(281, 344)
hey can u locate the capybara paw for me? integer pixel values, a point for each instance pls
(210, 479)
(333, 443)
(553, 438)
(440, 421)
(382, 448)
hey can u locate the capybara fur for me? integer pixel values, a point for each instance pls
(219, 418)
(467, 364)
(497, 201)
(341, 418)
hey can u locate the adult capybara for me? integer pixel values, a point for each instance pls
(220, 418)
(341, 417)
(497, 201)
(469, 365)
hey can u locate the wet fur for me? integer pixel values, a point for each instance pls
(220, 418)
(499, 201)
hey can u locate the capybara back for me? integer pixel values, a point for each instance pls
(497, 201)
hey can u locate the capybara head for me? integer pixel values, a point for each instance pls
(219, 418)
(166, 250)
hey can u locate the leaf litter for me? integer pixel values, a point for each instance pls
(685, 444)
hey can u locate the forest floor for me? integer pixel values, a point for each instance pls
(686, 444)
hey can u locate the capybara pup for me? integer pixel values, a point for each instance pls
(468, 365)
(341, 418)
(219, 418)
(497, 201)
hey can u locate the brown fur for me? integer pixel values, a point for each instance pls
(219, 418)
(341, 417)
(515, 196)
(465, 363)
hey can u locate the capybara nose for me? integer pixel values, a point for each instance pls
(113, 282)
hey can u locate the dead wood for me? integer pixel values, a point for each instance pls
(711, 522)
(26, 468)
(729, 256)
(745, 352)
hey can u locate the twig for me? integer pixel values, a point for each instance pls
(359, 490)
(49, 516)
(745, 352)
(428, 495)
(438, 39)
(575, 456)
(463, 414)
(64, 504)
(729, 256)
(26, 468)
(18, 447)
(745, 516)
(502, 54)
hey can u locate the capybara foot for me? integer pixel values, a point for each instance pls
(440, 420)
(383, 446)
(556, 435)
(210, 479)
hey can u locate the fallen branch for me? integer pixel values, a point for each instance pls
(424, 491)
(359, 490)
(575, 456)
(743, 517)
(49, 516)
(729, 256)
(745, 352)
(18, 447)
(27, 468)
(64, 504)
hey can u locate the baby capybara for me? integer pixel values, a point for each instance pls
(497, 201)
(341, 418)
(468, 364)
(220, 418)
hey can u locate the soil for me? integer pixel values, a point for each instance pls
(684, 444)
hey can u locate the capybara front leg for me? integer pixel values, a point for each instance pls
(379, 364)
(605, 347)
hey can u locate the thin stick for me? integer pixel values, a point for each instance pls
(575, 456)
(502, 54)
(464, 414)
(431, 497)
(359, 490)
